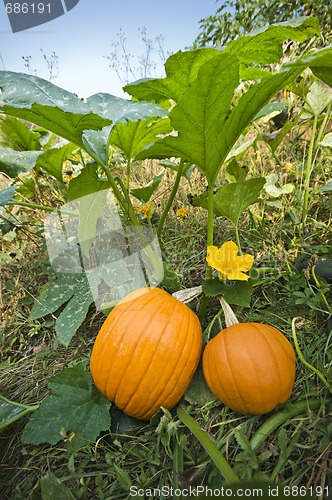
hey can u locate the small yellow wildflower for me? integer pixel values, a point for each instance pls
(68, 170)
(144, 210)
(288, 167)
(258, 156)
(181, 212)
(227, 261)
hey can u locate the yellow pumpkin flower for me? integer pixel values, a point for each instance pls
(227, 261)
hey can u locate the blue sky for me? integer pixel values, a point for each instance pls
(83, 37)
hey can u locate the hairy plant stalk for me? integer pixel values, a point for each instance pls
(276, 420)
(171, 198)
(308, 170)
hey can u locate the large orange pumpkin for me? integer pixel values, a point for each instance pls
(146, 352)
(250, 367)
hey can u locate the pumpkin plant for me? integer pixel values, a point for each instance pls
(146, 352)
(250, 367)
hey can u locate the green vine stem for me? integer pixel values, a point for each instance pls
(323, 126)
(276, 420)
(35, 206)
(128, 169)
(210, 225)
(308, 365)
(171, 198)
(209, 446)
(210, 228)
(308, 170)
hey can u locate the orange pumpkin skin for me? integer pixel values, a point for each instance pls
(146, 352)
(250, 367)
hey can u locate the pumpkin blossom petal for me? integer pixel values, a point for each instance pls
(227, 261)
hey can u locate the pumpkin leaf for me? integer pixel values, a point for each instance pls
(14, 162)
(117, 109)
(144, 193)
(181, 69)
(87, 182)
(10, 411)
(327, 188)
(75, 406)
(232, 200)
(17, 135)
(320, 63)
(197, 119)
(73, 315)
(64, 288)
(6, 195)
(55, 293)
(52, 160)
(132, 137)
(38, 101)
(319, 97)
(51, 488)
(198, 392)
(238, 293)
(327, 141)
(275, 191)
(264, 46)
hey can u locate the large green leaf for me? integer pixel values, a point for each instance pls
(144, 193)
(200, 113)
(73, 315)
(52, 160)
(264, 46)
(17, 135)
(119, 111)
(6, 195)
(232, 200)
(238, 293)
(43, 103)
(71, 290)
(131, 137)
(13, 162)
(86, 183)
(75, 406)
(207, 131)
(320, 63)
(181, 69)
(52, 488)
(248, 107)
(319, 97)
(55, 293)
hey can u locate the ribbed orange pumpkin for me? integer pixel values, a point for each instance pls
(250, 367)
(146, 352)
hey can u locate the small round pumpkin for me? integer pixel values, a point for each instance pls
(146, 352)
(250, 367)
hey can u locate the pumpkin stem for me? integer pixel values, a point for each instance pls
(230, 317)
